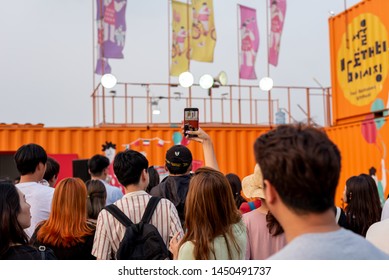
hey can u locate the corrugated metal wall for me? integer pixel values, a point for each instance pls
(362, 145)
(233, 145)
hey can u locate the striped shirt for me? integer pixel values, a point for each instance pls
(110, 232)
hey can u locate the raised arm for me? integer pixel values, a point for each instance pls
(209, 152)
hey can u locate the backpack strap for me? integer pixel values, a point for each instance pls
(119, 215)
(153, 202)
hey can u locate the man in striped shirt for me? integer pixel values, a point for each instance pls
(130, 168)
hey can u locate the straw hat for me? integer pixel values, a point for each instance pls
(252, 185)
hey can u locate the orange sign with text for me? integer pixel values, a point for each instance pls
(360, 60)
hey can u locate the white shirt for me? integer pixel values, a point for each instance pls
(385, 211)
(113, 193)
(378, 235)
(39, 197)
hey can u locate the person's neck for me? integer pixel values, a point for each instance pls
(133, 188)
(177, 175)
(295, 225)
(98, 177)
(33, 177)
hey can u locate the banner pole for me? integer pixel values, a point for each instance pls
(169, 51)
(238, 51)
(267, 37)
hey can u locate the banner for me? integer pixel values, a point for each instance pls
(249, 37)
(111, 32)
(180, 41)
(203, 35)
(277, 13)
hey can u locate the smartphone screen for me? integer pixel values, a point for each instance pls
(191, 119)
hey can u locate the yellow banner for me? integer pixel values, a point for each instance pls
(180, 40)
(203, 39)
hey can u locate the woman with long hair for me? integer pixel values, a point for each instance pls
(96, 199)
(265, 235)
(363, 203)
(236, 187)
(15, 216)
(214, 224)
(67, 231)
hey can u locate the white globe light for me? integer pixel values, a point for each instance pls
(108, 80)
(186, 79)
(266, 84)
(206, 81)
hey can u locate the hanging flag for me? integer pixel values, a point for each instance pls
(146, 142)
(249, 38)
(180, 41)
(203, 35)
(111, 32)
(135, 143)
(277, 13)
(161, 142)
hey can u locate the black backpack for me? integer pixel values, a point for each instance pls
(141, 241)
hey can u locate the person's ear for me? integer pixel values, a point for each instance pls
(270, 192)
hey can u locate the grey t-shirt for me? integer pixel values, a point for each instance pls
(341, 244)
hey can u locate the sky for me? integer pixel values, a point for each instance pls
(47, 48)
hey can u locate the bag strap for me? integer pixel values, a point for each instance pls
(153, 202)
(119, 215)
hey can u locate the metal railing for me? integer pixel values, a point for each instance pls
(134, 103)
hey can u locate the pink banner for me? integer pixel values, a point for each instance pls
(277, 13)
(249, 36)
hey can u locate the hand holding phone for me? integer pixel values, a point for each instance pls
(191, 120)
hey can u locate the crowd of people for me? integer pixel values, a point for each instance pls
(284, 210)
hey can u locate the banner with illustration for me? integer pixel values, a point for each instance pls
(180, 53)
(249, 43)
(111, 32)
(360, 61)
(203, 33)
(277, 16)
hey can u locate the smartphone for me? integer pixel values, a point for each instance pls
(191, 120)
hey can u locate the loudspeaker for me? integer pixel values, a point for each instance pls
(80, 169)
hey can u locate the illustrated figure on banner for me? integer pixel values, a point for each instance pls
(120, 36)
(180, 38)
(110, 8)
(277, 20)
(203, 17)
(110, 151)
(248, 37)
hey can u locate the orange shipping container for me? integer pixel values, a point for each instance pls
(360, 60)
(362, 144)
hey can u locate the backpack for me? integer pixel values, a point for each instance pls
(141, 241)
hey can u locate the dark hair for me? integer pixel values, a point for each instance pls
(302, 164)
(236, 187)
(52, 169)
(153, 178)
(10, 229)
(363, 203)
(28, 156)
(273, 225)
(97, 164)
(128, 167)
(97, 196)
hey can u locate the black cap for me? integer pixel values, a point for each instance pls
(178, 159)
